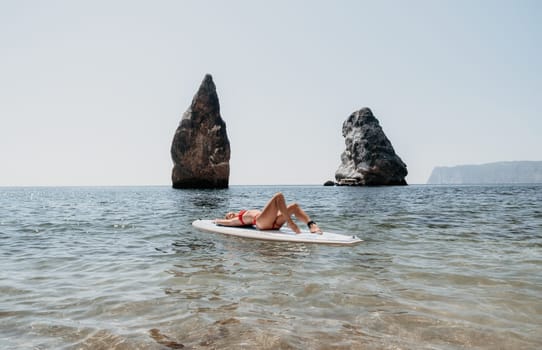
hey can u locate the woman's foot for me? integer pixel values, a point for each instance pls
(313, 227)
(293, 227)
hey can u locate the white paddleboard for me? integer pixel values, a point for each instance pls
(282, 235)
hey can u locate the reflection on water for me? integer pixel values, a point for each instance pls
(122, 268)
(209, 199)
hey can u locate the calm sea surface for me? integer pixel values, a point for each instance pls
(455, 267)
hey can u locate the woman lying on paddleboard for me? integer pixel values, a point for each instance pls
(271, 217)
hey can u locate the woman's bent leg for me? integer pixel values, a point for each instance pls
(275, 214)
(296, 210)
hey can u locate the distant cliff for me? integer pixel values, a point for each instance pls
(491, 173)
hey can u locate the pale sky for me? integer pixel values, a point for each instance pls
(91, 92)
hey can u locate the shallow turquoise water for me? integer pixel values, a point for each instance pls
(440, 268)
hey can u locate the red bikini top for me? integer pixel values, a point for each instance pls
(240, 217)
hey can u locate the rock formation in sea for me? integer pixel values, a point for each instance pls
(369, 158)
(491, 173)
(201, 150)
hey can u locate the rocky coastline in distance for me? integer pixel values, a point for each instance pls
(511, 172)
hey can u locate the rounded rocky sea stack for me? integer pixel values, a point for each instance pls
(369, 158)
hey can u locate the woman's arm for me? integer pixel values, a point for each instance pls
(228, 222)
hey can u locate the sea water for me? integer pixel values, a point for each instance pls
(441, 267)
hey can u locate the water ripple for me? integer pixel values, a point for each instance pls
(440, 267)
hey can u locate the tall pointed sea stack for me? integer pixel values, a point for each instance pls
(200, 148)
(369, 158)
